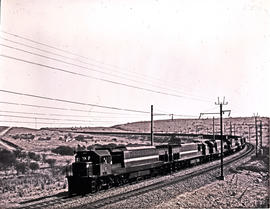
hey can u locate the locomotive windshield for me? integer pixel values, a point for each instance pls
(82, 158)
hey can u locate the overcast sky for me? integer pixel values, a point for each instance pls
(176, 55)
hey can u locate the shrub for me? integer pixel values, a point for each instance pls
(21, 167)
(34, 166)
(17, 153)
(63, 150)
(44, 158)
(7, 158)
(27, 136)
(80, 138)
(44, 139)
(51, 162)
(34, 156)
(17, 136)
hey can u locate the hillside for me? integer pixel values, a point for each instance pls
(239, 126)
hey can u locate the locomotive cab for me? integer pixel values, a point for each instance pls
(92, 163)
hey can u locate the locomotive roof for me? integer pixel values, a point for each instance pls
(102, 152)
(140, 147)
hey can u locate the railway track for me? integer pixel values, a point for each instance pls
(158, 185)
(135, 192)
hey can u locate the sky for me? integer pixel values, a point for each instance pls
(105, 56)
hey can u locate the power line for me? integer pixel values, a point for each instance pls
(54, 119)
(84, 116)
(187, 95)
(72, 102)
(93, 77)
(58, 108)
(53, 123)
(68, 52)
(91, 69)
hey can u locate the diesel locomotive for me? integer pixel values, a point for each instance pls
(107, 167)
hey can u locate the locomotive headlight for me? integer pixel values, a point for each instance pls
(87, 165)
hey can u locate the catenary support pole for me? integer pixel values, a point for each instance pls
(256, 131)
(152, 133)
(213, 128)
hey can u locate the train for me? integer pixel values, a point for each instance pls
(108, 166)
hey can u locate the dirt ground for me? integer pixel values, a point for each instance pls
(246, 187)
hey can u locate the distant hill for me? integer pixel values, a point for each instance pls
(242, 126)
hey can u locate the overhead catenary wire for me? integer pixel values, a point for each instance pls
(54, 119)
(62, 50)
(52, 123)
(99, 71)
(78, 110)
(71, 102)
(62, 108)
(67, 115)
(96, 78)
(181, 92)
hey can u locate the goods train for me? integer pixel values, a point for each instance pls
(106, 167)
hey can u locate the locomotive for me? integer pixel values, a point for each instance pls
(106, 167)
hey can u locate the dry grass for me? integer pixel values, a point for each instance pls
(17, 188)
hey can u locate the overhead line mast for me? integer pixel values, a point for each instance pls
(221, 112)
(221, 134)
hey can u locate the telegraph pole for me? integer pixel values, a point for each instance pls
(221, 135)
(152, 133)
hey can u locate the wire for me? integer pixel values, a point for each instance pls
(58, 108)
(77, 110)
(93, 116)
(96, 78)
(90, 69)
(17, 116)
(72, 102)
(187, 95)
(54, 123)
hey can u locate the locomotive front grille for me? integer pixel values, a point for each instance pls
(81, 169)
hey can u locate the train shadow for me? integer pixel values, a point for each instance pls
(60, 194)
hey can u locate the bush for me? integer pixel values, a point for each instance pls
(21, 167)
(7, 158)
(51, 162)
(34, 166)
(44, 139)
(17, 136)
(27, 136)
(80, 138)
(63, 150)
(34, 156)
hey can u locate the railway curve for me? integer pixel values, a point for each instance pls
(64, 201)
